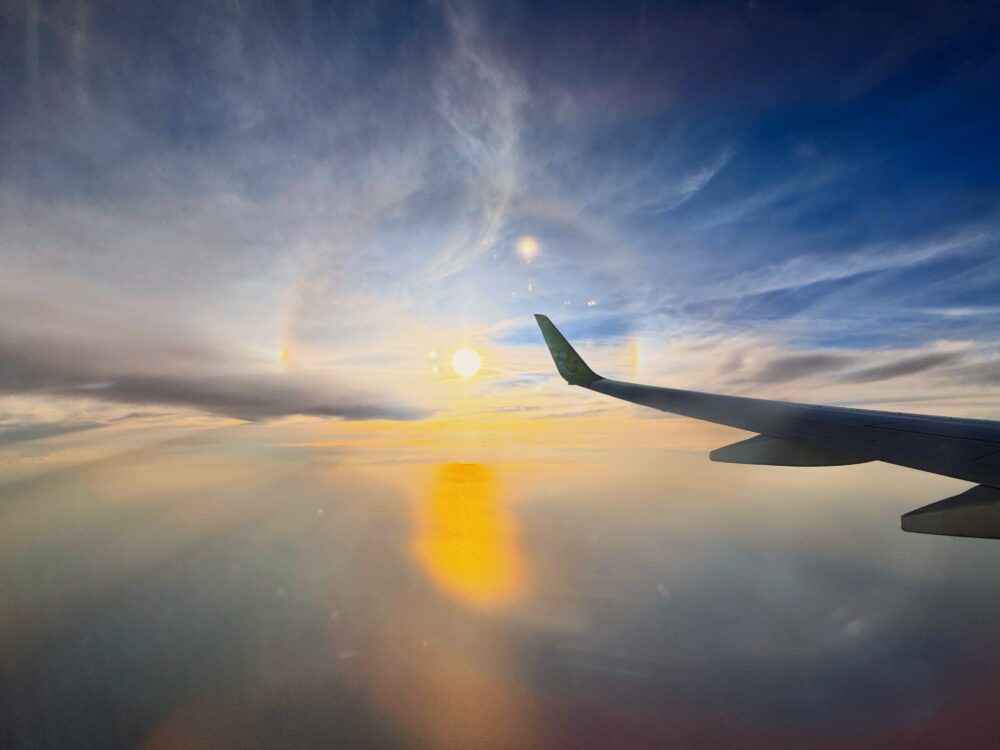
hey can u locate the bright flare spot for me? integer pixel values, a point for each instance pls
(591, 303)
(466, 362)
(466, 539)
(527, 248)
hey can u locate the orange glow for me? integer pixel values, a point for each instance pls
(466, 540)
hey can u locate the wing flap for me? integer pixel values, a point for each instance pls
(763, 450)
(973, 513)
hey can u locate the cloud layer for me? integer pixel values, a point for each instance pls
(47, 350)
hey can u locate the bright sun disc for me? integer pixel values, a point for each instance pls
(466, 362)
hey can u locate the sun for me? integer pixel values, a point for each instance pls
(466, 362)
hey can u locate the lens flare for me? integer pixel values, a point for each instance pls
(527, 248)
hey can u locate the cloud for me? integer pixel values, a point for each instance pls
(22, 432)
(986, 374)
(244, 397)
(851, 367)
(795, 366)
(806, 270)
(480, 97)
(690, 185)
(72, 349)
(907, 365)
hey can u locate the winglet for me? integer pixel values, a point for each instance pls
(570, 364)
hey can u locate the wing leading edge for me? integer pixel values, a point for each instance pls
(791, 434)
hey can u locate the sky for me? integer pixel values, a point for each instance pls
(241, 241)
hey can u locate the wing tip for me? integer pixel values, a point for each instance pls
(569, 364)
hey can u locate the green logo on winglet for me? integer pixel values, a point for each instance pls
(570, 364)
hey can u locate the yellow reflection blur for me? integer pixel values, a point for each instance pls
(466, 540)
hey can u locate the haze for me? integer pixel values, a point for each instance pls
(283, 458)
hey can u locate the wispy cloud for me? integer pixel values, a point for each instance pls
(22, 432)
(907, 365)
(689, 185)
(806, 270)
(480, 97)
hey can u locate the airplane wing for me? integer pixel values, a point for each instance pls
(790, 434)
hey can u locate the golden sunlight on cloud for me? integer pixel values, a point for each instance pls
(466, 540)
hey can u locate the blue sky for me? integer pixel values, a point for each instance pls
(188, 188)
